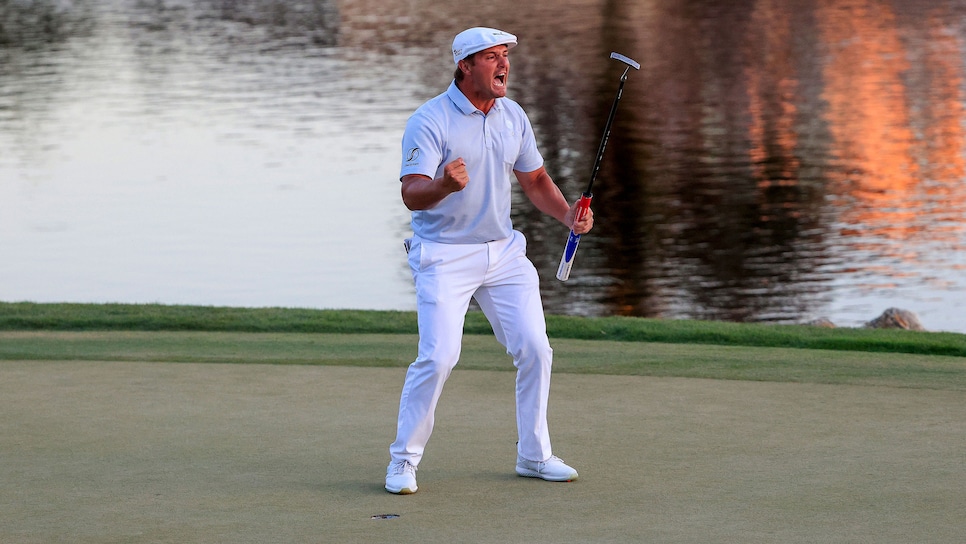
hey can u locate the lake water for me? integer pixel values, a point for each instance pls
(772, 161)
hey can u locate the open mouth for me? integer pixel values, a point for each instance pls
(501, 80)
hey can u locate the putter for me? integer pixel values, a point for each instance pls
(567, 260)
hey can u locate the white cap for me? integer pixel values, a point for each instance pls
(474, 40)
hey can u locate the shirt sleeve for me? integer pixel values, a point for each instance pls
(422, 148)
(530, 158)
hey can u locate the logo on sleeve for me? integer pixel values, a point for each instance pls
(413, 155)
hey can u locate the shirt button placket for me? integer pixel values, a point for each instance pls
(487, 136)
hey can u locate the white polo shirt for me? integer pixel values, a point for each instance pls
(448, 127)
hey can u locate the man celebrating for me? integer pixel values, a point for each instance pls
(459, 151)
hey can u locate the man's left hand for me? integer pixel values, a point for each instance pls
(585, 223)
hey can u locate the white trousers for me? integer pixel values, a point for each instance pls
(505, 284)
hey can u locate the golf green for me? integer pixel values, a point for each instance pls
(183, 452)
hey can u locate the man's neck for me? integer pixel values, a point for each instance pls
(481, 104)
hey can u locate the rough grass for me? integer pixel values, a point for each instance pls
(482, 352)
(156, 317)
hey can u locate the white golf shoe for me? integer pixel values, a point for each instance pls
(401, 478)
(553, 469)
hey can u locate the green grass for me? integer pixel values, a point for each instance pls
(155, 317)
(482, 352)
(614, 345)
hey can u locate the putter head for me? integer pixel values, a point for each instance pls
(626, 60)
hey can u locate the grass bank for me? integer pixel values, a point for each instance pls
(482, 352)
(156, 317)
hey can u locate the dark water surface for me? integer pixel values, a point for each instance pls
(773, 160)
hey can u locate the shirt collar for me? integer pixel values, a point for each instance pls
(459, 99)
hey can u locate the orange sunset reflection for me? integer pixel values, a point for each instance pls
(899, 162)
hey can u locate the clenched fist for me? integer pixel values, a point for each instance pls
(454, 177)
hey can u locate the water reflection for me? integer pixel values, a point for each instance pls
(774, 160)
